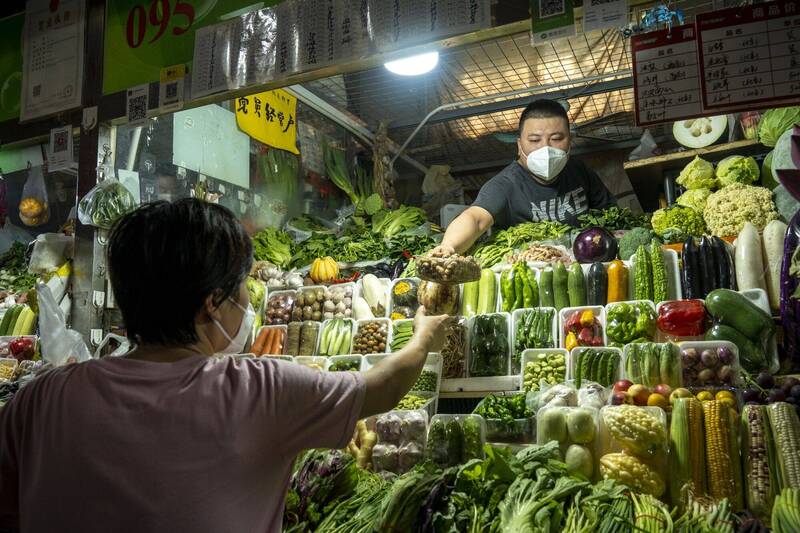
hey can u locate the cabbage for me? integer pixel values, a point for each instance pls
(694, 198)
(775, 122)
(768, 179)
(698, 174)
(737, 169)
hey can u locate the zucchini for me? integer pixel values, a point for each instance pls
(691, 277)
(598, 285)
(560, 290)
(15, 312)
(735, 310)
(6, 320)
(487, 292)
(576, 286)
(469, 299)
(751, 357)
(721, 263)
(707, 267)
(617, 281)
(546, 288)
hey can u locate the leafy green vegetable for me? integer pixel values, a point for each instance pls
(14, 274)
(274, 246)
(737, 169)
(698, 174)
(776, 121)
(390, 223)
(614, 218)
(279, 169)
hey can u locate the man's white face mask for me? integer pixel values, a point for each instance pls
(547, 162)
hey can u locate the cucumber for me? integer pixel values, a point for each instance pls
(546, 288)
(15, 311)
(732, 309)
(469, 299)
(6, 320)
(707, 266)
(531, 276)
(597, 294)
(560, 290)
(576, 286)
(487, 292)
(579, 362)
(751, 357)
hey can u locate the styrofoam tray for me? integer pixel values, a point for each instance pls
(394, 324)
(385, 321)
(283, 327)
(446, 418)
(391, 292)
(563, 315)
(625, 375)
(372, 359)
(674, 289)
(702, 345)
(334, 358)
(636, 302)
(498, 431)
(433, 363)
(387, 283)
(468, 347)
(274, 294)
(663, 337)
(322, 328)
(515, 317)
(306, 360)
(573, 355)
(531, 353)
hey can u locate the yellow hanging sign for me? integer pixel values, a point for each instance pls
(269, 117)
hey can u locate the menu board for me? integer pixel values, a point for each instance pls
(750, 55)
(666, 81)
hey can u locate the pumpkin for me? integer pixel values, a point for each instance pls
(324, 270)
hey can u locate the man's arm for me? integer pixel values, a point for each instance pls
(391, 379)
(462, 233)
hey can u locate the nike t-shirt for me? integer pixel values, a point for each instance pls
(198, 445)
(513, 197)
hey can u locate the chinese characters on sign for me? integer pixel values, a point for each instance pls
(750, 55)
(666, 76)
(269, 117)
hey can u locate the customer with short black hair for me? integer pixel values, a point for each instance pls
(543, 183)
(169, 437)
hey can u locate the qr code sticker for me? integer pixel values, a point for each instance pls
(137, 108)
(551, 8)
(60, 141)
(172, 90)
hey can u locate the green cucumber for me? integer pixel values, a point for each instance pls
(576, 286)
(546, 288)
(560, 290)
(578, 369)
(735, 310)
(597, 294)
(751, 357)
(531, 276)
(487, 292)
(469, 299)
(6, 320)
(15, 311)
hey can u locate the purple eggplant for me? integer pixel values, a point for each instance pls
(790, 306)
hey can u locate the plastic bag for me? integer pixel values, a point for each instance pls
(105, 203)
(560, 395)
(647, 147)
(592, 396)
(59, 344)
(33, 207)
(123, 346)
(50, 250)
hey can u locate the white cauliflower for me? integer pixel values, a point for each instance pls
(728, 209)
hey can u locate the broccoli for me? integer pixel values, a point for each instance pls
(629, 242)
(677, 222)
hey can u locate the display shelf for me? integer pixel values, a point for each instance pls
(477, 387)
(683, 157)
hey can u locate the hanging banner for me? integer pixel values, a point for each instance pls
(11, 66)
(269, 117)
(750, 56)
(666, 81)
(551, 20)
(52, 77)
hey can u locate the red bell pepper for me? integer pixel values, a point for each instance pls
(682, 318)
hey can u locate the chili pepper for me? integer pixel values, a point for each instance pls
(507, 289)
(519, 287)
(682, 318)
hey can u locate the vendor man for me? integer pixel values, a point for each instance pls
(544, 183)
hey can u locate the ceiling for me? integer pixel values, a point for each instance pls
(505, 73)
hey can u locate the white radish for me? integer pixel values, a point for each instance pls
(748, 259)
(774, 234)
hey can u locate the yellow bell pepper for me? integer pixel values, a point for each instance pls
(587, 318)
(571, 341)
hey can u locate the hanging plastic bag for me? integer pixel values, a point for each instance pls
(105, 203)
(123, 346)
(33, 208)
(50, 250)
(59, 344)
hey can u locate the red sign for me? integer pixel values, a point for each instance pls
(750, 56)
(666, 82)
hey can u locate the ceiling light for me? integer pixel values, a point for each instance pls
(414, 65)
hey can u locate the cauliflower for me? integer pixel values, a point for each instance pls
(677, 222)
(728, 209)
(699, 174)
(737, 169)
(694, 198)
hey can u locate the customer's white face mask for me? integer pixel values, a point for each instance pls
(236, 344)
(547, 162)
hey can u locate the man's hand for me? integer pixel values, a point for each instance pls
(430, 329)
(443, 250)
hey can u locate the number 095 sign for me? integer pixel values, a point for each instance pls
(156, 19)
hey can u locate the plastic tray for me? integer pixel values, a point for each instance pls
(530, 355)
(283, 327)
(8, 362)
(385, 321)
(334, 358)
(703, 345)
(625, 374)
(446, 419)
(274, 294)
(573, 355)
(387, 283)
(760, 298)
(664, 337)
(515, 318)
(563, 315)
(521, 431)
(636, 302)
(393, 325)
(372, 359)
(281, 357)
(348, 348)
(429, 406)
(609, 445)
(433, 363)
(391, 291)
(568, 440)
(316, 340)
(470, 325)
(674, 289)
(307, 360)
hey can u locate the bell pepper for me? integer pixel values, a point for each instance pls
(587, 318)
(571, 341)
(682, 318)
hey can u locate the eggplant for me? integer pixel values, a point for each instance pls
(594, 244)
(692, 288)
(790, 306)
(721, 262)
(707, 266)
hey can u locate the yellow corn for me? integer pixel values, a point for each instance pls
(719, 459)
(697, 443)
(786, 431)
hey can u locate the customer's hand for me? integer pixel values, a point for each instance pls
(443, 250)
(430, 329)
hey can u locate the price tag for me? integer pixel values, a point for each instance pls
(170, 90)
(59, 153)
(136, 104)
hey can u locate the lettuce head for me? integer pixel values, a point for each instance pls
(737, 169)
(698, 174)
(694, 198)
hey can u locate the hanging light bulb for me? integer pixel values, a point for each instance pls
(414, 65)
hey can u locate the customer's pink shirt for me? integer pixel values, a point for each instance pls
(197, 445)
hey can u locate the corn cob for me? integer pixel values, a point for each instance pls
(687, 445)
(757, 474)
(737, 502)
(786, 432)
(722, 482)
